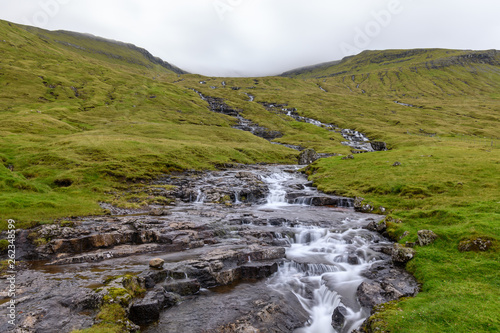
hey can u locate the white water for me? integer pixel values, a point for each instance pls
(319, 259)
(200, 197)
(277, 192)
(323, 267)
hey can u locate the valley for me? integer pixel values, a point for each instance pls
(89, 128)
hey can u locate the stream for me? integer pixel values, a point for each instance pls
(257, 248)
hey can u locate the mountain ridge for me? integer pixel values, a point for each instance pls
(390, 58)
(80, 41)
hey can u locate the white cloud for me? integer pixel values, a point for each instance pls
(262, 37)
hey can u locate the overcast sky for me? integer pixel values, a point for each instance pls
(266, 37)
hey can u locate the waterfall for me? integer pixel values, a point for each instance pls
(200, 197)
(277, 193)
(330, 264)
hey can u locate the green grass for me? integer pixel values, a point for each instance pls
(83, 120)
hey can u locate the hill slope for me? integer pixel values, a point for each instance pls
(390, 60)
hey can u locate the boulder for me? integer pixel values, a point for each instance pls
(373, 293)
(307, 156)
(156, 263)
(338, 318)
(377, 226)
(426, 237)
(395, 277)
(401, 255)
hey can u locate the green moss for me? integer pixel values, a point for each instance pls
(40, 241)
(4, 245)
(111, 318)
(67, 224)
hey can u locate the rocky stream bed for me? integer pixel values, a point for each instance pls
(246, 249)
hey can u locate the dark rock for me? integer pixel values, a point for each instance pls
(426, 237)
(152, 277)
(377, 226)
(378, 145)
(396, 164)
(338, 318)
(308, 156)
(258, 270)
(387, 283)
(146, 310)
(182, 287)
(353, 260)
(324, 201)
(370, 294)
(401, 255)
(359, 206)
(266, 133)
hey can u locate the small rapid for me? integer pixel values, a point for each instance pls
(323, 270)
(323, 265)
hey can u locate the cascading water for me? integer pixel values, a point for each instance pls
(323, 271)
(277, 192)
(264, 259)
(324, 266)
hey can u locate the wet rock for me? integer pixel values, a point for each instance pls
(338, 318)
(159, 212)
(266, 133)
(401, 255)
(258, 270)
(147, 309)
(373, 293)
(380, 226)
(152, 277)
(426, 237)
(324, 201)
(360, 206)
(182, 287)
(370, 294)
(387, 283)
(353, 260)
(156, 263)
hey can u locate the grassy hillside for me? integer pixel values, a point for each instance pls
(75, 125)
(82, 118)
